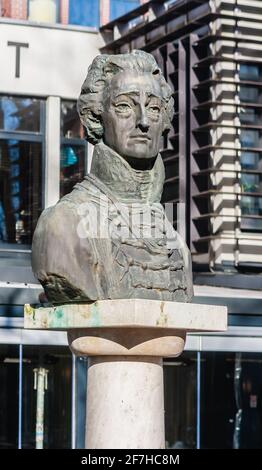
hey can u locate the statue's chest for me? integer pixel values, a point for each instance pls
(145, 266)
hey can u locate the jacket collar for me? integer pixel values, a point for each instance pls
(125, 182)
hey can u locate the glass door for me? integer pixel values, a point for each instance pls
(47, 392)
(180, 386)
(231, 400)
(9, 391)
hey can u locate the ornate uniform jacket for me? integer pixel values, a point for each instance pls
(109, 238)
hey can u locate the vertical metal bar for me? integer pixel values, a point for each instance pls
(20, 396)
(182, 128)
(73, 404)
(52, 151)
(198, 424)
(43, 149)
(41, 386)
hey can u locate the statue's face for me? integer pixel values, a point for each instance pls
(134, 116)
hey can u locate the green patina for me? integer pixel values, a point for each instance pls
(58, 318)
(94, 317)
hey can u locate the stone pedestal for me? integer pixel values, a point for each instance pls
(125, 403)
(126, 341)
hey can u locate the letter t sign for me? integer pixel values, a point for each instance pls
(18, 46)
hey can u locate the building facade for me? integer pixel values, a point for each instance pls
(42, 155)
(92, 13)
(209, 52)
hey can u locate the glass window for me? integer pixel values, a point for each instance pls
(84, 12)
(250, 138)
(14, 9)
(247, 116)
(251, 161)
(81, 388)
(249, 72)
(180, 401)
(251, 205)
(120, 7)
(20, 189)
(73, 148)
(250, 224)
(231, 400)
(72, 169)
(45, 11)
(248, 94)
(47, 385)
(71, 126)
(19, 114)
(9, 376)
(250, 116)
(251, 183)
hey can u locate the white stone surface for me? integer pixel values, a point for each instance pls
(125, 404)
(129, 313)
(159, 342)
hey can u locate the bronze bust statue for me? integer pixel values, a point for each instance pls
(126, 106)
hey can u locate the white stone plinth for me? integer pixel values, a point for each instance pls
(125, 341)
(125, 403)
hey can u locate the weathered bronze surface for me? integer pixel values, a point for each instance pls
(126, 106)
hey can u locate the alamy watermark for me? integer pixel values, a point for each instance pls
(105, 219)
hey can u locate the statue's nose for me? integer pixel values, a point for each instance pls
(142, 120)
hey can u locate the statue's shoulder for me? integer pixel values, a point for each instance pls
(70, 204)
(56, 217)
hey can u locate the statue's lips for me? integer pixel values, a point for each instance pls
(140, 138)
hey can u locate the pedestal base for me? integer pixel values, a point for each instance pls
(125, 340)
(125, 403)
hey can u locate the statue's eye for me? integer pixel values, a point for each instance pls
(154, 109)
(123, 107)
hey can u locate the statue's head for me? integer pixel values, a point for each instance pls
(126, 102)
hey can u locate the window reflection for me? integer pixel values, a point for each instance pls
(19, 114)
(250, 72)
(81, 388)
(250, 116)
(248, 94)
(43, 11)
(72, 167)
(250, 138)
(180, 401)
(56, 399)
(84, 13)
(251, 161)
(20, 189)
(73, 148)
(9, 368)
(231, 400)
(251, 206)
(251, 183)
(120, 7)
(71, 126)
